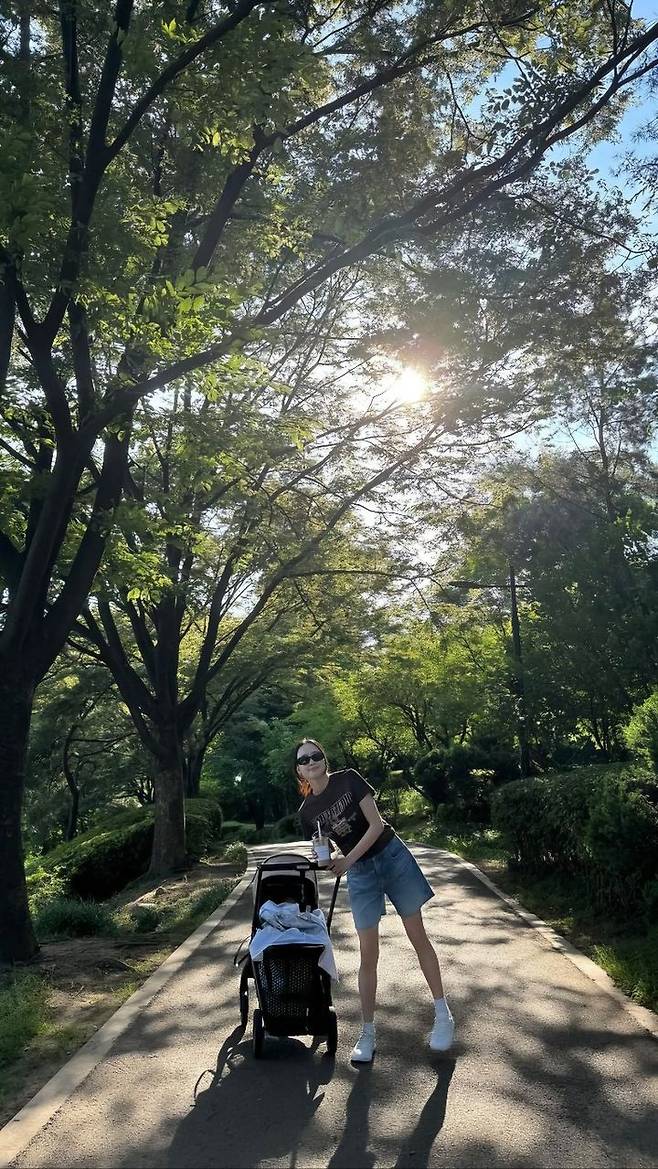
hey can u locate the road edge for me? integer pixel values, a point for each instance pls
(17, 1133)
(646, 1018)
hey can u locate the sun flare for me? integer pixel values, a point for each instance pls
(406, 385)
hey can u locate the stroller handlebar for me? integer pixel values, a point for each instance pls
(297, 863)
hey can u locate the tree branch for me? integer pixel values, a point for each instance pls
(7, 321)
(82, 362)
(97, 158)
(240, 12)
(86, 560)
(131, 687)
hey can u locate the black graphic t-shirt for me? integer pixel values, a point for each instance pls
(337, 809)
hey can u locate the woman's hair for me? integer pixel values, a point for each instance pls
(303, 784)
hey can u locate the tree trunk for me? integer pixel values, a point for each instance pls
(193, 769)
(17, 940)
(71, 779)
(72, 822)
(256, 811)
(169, 828)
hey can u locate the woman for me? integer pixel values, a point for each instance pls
(377, 862)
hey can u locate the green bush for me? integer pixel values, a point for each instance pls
(203, 826)
(108, 857)
(236, 854)
(412, 803)
(72, 918)
(542, 820)
(247, 833)
(495, 757)
(470, 799)
(43, 885)
(641, 733)
(596, 822)
(287, 828)
(621, 837)
(230, 828)
(650, 899)
(211, 810)
(446, 778)
(431, 775)
(101, 862)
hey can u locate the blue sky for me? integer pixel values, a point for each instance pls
(608, 155)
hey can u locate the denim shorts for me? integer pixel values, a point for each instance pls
(394, 873)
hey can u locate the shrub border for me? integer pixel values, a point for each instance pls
(24, 1126)
(646, 1018)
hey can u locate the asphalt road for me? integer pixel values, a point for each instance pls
(547, 1069)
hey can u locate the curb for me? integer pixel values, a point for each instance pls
(20, 1130)
(646, 1018)
(35, 1115)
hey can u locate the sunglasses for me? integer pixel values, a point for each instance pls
(314, 757)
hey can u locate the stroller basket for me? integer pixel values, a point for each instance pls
(290, 985)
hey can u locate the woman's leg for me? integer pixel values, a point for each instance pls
(429, 963)
(369, 944)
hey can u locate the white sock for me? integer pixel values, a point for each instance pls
(441, 1007)
(369, 1028)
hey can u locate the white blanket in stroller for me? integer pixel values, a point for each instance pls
(286, 924)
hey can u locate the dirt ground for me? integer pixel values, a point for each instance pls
(89, 978)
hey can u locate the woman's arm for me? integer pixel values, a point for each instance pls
(341, 864)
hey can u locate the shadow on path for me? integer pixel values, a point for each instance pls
(247, 1110)
(353, 1151)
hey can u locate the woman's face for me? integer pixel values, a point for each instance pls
(313, 769)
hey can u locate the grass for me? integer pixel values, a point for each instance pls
(23, 1014)
(70, 917)
(189, 912)
(624, 950)
(178, 918)
(37, 1032)
(633, 966)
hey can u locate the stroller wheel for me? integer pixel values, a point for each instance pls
(259, 1034)
(244, 997)
(332, 1032)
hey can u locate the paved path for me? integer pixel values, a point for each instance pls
(547, 1071)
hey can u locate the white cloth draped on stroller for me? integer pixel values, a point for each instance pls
(286, 924)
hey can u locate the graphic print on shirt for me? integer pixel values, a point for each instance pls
(335, 822)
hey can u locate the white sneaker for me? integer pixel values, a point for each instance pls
(364, 1048)
(442, 1033)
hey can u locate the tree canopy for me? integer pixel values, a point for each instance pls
(184, 191)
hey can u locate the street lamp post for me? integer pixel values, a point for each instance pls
(518, 677)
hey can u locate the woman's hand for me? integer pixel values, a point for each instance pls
(338, 865)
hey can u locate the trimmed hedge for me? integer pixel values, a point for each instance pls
(286, 829)
(247, 833)
(102, 861)
(601, 823)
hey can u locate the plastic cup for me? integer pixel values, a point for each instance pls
(322, 850)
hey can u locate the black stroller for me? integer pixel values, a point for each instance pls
(293, 992)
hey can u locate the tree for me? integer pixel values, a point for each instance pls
(216, 236)
(588, 608)
(229, 499)
(84, 754)
(424, 687)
